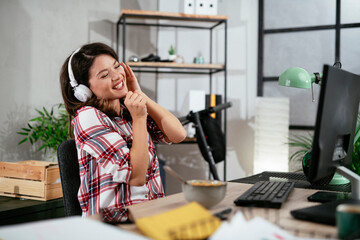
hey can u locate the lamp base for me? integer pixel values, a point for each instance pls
(338, 180)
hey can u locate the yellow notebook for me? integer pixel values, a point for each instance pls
(191, 221)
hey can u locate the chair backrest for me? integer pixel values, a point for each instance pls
(70, 177)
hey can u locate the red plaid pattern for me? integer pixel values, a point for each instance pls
(103, 146)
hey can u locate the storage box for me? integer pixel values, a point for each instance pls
(206, 7)
(30, 179)
(189, 6)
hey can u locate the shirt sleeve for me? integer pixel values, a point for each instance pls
(96, 137)
(155, 132)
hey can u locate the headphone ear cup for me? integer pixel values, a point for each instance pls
(82, 93)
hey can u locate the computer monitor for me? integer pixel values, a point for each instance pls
(335, 127)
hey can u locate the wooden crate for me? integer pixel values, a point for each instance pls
(30, 179)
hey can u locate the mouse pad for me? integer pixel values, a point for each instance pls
(323, 213)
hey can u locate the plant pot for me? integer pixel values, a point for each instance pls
(50, 156)
(172, 57)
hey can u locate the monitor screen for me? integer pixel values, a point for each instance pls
(335, 123)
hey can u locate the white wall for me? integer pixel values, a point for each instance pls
(36, 36)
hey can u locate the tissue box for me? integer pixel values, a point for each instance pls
(31, 179)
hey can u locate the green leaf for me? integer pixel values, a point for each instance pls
(46, 112)
(298, 154)
(22, 141)
(35, 119)
(303, 140)
(41, 113)
(22, 133)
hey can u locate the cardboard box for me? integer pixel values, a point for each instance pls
(31, 179)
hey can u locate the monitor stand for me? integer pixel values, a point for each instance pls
(354, 180)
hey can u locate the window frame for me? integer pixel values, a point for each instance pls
(337, 26)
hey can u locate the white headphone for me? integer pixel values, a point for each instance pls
(81, 92)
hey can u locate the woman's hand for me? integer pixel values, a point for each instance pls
(136, 105)
(139, 155)
(131, 80)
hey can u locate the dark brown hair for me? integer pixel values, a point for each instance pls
(81, 64)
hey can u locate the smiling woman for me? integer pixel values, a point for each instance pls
(115, 126)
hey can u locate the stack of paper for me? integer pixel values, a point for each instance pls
(66, 228)
(255, 229)
(191, 221)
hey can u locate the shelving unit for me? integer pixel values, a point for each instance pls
(176, 20)
(214, 68)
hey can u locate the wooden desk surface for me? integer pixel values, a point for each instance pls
(281, 217)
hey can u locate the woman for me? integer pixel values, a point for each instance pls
(115, 127)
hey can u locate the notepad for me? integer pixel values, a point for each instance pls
(191, 221)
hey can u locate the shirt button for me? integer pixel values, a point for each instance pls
(146, 196)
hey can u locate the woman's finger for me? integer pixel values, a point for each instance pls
(134, 97)
(128, 96)
(130, 71)
(125, 69)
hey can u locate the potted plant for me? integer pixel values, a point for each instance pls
(304, 145)
(50, 128)
(172, 54)
(355, 164)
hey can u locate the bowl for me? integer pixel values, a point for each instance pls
(207, 193)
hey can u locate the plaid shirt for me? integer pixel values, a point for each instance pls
(103, 146)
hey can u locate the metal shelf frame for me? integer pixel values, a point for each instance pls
(212, 21)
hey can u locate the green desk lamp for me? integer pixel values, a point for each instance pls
(300, 78)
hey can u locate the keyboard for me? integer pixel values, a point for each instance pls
(266, 194)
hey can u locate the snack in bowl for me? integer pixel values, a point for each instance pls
(208, 193)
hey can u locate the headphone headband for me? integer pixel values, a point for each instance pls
(73, 81)
(81, 92)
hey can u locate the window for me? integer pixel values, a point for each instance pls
(307, 34)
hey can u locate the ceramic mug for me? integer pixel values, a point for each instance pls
(348, 221)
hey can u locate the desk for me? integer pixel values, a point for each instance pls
(281, 217)
(15, 210)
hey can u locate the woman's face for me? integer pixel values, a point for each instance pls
(107, 78)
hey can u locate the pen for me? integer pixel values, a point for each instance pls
(223, 214)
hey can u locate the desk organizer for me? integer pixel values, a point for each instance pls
(31, 179)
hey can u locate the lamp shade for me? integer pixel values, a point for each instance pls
(295, 77)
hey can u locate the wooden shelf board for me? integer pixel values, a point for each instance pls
(170, 15)
(175, 65)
